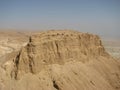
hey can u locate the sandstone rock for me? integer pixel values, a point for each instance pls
(57, 47)
(62, 60)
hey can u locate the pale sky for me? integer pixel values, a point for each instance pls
(94, 16)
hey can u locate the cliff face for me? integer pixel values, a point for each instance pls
(57, 47)
(61, 60)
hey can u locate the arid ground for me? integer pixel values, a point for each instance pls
(112, 47)
(58, 60)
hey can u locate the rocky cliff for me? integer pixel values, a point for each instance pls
(62, 60)
(57, 47)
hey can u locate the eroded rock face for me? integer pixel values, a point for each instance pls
(61, 60)
(57, 47)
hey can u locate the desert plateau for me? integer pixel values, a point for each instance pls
(57, 60)
(59, 44)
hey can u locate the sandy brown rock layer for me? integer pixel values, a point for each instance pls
(61, 60)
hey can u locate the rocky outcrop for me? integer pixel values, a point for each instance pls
(57, 47)
(61, 60)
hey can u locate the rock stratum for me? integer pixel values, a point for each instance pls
(60, 60)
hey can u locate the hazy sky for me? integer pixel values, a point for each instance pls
(94, 16)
